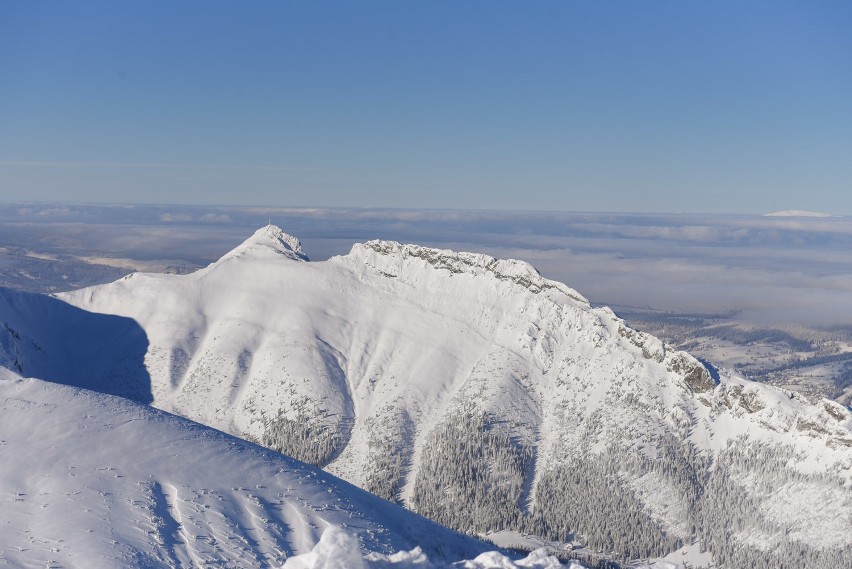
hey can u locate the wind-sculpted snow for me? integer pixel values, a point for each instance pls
(372, 364)
(91, 480)
(337, 549)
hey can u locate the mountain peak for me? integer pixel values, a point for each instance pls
(419, 373)
(270, 238)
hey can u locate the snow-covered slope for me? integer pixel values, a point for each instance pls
(487, 397)
(92, 480)
(44, 337)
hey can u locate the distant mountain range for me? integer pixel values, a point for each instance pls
(469, 389)
(797, 213)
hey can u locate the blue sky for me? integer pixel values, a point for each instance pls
(578, 106)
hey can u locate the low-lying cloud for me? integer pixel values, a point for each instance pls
(773, 270)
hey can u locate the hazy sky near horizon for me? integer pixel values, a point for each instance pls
(661, 106)
(766, 269)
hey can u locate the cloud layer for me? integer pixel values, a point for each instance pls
(771, 269)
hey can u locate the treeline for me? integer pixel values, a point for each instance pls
(312, 436)
(474, 475)
(390, 435)
(472, 478)
(727, 509)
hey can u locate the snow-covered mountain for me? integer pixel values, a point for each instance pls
(92, 480)
(472, 390)
(797, 213)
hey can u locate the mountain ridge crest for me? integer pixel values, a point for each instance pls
(388, 257)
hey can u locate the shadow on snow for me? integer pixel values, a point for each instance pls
(47, 338)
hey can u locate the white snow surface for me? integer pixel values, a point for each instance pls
(381, 345)
(797, 213)
(93, 480)
(338, 549)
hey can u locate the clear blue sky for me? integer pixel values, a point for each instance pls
(742, 106)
